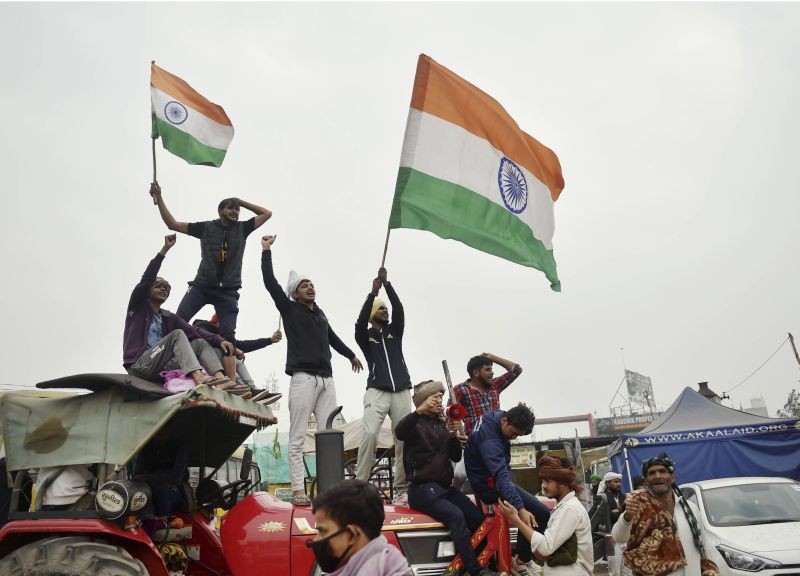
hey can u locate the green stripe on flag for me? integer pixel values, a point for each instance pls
(186, 146)
(450, 211)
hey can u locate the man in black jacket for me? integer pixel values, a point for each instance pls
(243, 375)
(388, 383)
(309, 339)
(430, 446)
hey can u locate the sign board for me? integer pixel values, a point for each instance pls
(640, 388)
(618, 424)
(523, 456)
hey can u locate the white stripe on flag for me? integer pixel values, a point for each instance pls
(446, 151)
(206, 130)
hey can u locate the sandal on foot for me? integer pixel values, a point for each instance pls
(261, 394)
(236, 388)
(301, 500)
(216, 382)
(271, 399)
(240, 392)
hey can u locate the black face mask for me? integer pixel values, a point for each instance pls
(322, 552)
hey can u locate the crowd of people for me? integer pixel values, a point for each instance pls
(435, 456)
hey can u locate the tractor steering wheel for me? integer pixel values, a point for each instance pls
(226, 494)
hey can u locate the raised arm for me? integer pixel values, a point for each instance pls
(140, 291)
(282, 301)
(361, 331)
(398, 313)
(258, 343)
(166, 216)
(507, 364)
(262, 214)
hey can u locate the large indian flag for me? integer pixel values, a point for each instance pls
(190, 126)
(469, 173)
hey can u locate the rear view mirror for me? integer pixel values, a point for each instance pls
(247, 460)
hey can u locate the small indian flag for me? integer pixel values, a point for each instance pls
(190, 126)
(469, 173)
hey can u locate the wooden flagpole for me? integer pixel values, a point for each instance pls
(153, 138)
(385, 247)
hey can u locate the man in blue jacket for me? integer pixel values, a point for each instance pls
(388, 384)
(155, 340)
(487, 457)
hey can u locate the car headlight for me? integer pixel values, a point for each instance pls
(743, 561)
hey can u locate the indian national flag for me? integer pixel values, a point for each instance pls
(189, 125)
(469, 173)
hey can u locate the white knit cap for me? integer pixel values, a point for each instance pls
(612, 476)
(295, 280)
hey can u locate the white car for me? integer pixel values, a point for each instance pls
(749, 524)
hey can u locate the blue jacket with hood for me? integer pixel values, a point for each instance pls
(488, 454)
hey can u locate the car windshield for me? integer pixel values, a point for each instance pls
(746, 504)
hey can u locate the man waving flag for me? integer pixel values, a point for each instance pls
(469, 173)
(190, 126)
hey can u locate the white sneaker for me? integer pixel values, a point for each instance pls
(400, 499)
(529, 568)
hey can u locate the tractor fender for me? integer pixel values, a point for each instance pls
(18, 533)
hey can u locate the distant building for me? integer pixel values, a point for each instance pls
(757, 407)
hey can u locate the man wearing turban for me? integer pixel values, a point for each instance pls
(388, 382)
(660, 527)
(566, 544)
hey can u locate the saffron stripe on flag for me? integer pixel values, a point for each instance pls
(179, 90)
(450, 211)
(203, 128)
(440, 92)
(448, 152)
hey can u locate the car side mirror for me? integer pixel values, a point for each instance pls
(247, 460)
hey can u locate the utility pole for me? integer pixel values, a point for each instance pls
(791, 341)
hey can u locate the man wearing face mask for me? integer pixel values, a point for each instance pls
(349, 517)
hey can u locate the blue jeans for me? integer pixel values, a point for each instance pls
(225, 302)
(454, 510)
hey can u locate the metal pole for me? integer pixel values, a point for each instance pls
(791, 341)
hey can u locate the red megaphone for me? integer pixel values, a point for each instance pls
(456, 412)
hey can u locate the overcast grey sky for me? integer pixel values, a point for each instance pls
(676, 234)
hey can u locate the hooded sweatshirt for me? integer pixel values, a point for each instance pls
(488, 454)
(309, 337)
(378, 558)
(139, 315)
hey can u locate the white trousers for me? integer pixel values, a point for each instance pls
(308, 395)
(616, 566)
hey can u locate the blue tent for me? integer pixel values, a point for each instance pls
(708, 440)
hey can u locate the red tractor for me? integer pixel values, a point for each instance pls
(102, 533)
